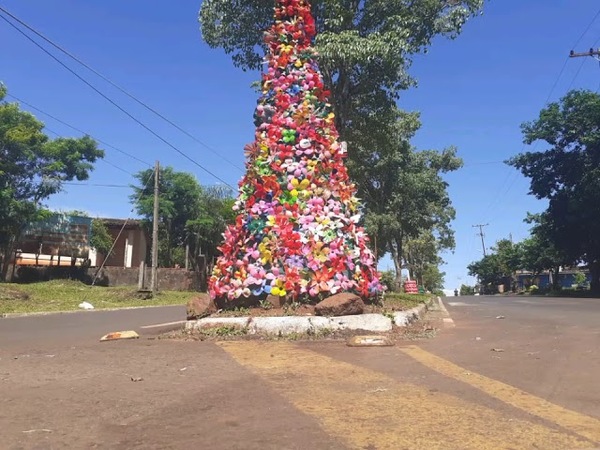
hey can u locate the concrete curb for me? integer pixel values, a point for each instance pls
(311, 324)
(446, 319)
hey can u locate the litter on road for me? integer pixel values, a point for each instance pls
(120, 335)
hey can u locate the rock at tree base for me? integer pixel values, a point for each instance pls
(200, 306)
(344, 304)
(276, 301)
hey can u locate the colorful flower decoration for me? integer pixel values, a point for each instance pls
(296, 232)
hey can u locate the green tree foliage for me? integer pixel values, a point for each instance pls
(432, 278)
(188, 215)
(365, 47)
(467, 290)
(487, 270)
(567, 174)
(206, 229)
(32, 168)
(538, 252)
(408, 208)
(179, 201)
(388, 280)
(498, 267)
(579, 279)
(100, 238)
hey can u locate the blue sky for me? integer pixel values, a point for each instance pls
(473, 93)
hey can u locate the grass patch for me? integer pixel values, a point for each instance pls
(400, 301)
(223, 331)
(66, 295)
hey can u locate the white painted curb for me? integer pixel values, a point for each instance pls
(310, 324)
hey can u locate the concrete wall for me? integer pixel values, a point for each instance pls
(168, 279)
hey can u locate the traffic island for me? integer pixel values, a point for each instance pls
(310, 325)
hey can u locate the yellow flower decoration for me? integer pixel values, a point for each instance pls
(265, 253)
(300, 185)
(279, 288)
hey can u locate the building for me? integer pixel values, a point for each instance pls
(59, 240)
(566, 278)
(130, 244)
(64, 240)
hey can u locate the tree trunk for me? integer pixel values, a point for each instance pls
(555, 279)
(5, 259)
(397, 259)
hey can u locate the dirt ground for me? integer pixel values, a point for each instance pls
(390, 304)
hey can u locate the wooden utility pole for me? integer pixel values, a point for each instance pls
(154, 277)
(481, 234)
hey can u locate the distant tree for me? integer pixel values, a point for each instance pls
(500, 265)
(100, 237)
(432, 278)
(466, 290)
(488, 270)
(189, 215)
(388, 280)
(580, 280)
(206, 229)
(567, 174)
(407, 201)
(179, 202)
(538, 252)
(33, 167)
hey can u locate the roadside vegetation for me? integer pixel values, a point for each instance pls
(66, 295)
(566, 176)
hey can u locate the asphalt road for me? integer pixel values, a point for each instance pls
(55, 330)
(513, 372)
(548, 346)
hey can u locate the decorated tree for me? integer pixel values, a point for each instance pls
(297, 232)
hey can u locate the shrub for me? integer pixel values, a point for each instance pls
(533, 289)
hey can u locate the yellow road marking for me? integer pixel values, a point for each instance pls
(367, 409)
(581, 424)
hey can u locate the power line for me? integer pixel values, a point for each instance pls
(77, 129)
(117, 167)
(150, 177)
(116, 105)
(118, 87)
(576, 75)
(104, 160)
(482, 163)
(497, 197)
(587, 29)
(69, 183)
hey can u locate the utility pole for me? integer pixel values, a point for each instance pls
(590, 52)
(154, 278)
(481, 234)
